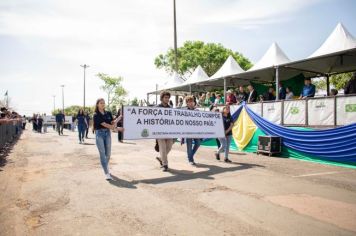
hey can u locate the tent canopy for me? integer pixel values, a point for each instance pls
(273, 56)
(230, 67)
(339, 40)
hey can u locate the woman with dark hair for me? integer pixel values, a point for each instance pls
(82, 125)
(103, 123)
(119, 124)
(226, 141)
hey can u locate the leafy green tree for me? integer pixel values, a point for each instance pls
(210, 56)
(114, 89)
(337, 81)
(73, 110)
(134, 102)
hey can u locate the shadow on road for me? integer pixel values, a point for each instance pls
(121, 183)
(183, 175)
(5, 152)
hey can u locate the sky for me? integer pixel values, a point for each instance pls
(44, 42)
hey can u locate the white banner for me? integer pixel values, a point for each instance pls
(294, 112)
(158, 122)
(256, 108)
(272, 111)
(51, 120)
(346, 110)
(321, 111)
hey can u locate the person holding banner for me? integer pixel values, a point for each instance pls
(103, 123)
(191, 150)
(165, 145)
(226, 141)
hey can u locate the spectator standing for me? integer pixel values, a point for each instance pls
(230, 98)
(350, 87)
(252, 96)
(308, 89)
(289, 94)
(281, 92)
(242, 95)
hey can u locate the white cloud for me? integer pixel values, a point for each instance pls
(117, 37)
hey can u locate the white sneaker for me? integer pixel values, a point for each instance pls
(108, 177)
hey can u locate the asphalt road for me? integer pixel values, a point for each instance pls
(51, 185)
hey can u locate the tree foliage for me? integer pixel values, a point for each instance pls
(114, 89)
(74, 109)
(336, 81)
(210, 56)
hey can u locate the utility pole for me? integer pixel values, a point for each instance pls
(175, 36)
(62, 97)
(84, 66)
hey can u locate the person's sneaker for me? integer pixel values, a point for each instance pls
(165, 168)
(108, 177)
(192, 163)
(160, 161)
(227, 161)
(217, 156)
(80, 142)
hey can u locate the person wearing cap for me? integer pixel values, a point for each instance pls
(308, 89)
(350, 87)
(230, 98)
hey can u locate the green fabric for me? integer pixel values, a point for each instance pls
(286, 152)
(296, 84)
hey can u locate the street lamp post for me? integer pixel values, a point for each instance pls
(54, 103)
(175, 36)
(84, 66)
(62, 97)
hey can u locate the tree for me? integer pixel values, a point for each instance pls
(73, 110)
(113, 88)
(210, 56)
(134, 102)
(337, 81)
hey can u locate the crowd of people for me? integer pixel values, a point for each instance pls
(249, 94)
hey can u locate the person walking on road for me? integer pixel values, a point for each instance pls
(87, 117)
(103, 123)
(82, 125)
(226, 141)
(191, 150)
(60, 122)
(165, 145)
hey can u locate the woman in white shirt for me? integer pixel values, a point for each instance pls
(289, 95)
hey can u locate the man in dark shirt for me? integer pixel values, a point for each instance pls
(350, 87)
(165, 145)
(282, 92)
(269, 96)
(60, 119)
(252, 96)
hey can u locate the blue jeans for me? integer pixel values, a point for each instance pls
(103, 143)
(190, 149)
(225, 145)
(81, 131)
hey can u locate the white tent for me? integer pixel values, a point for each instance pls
(172, 82)
(339, 40)
(198, 75)
(230, 67)
(274, 56)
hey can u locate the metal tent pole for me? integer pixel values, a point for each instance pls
(277, 83)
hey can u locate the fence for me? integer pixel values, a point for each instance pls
(9, 130)
(318, 111)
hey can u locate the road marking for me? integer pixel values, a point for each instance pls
(315, 174)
